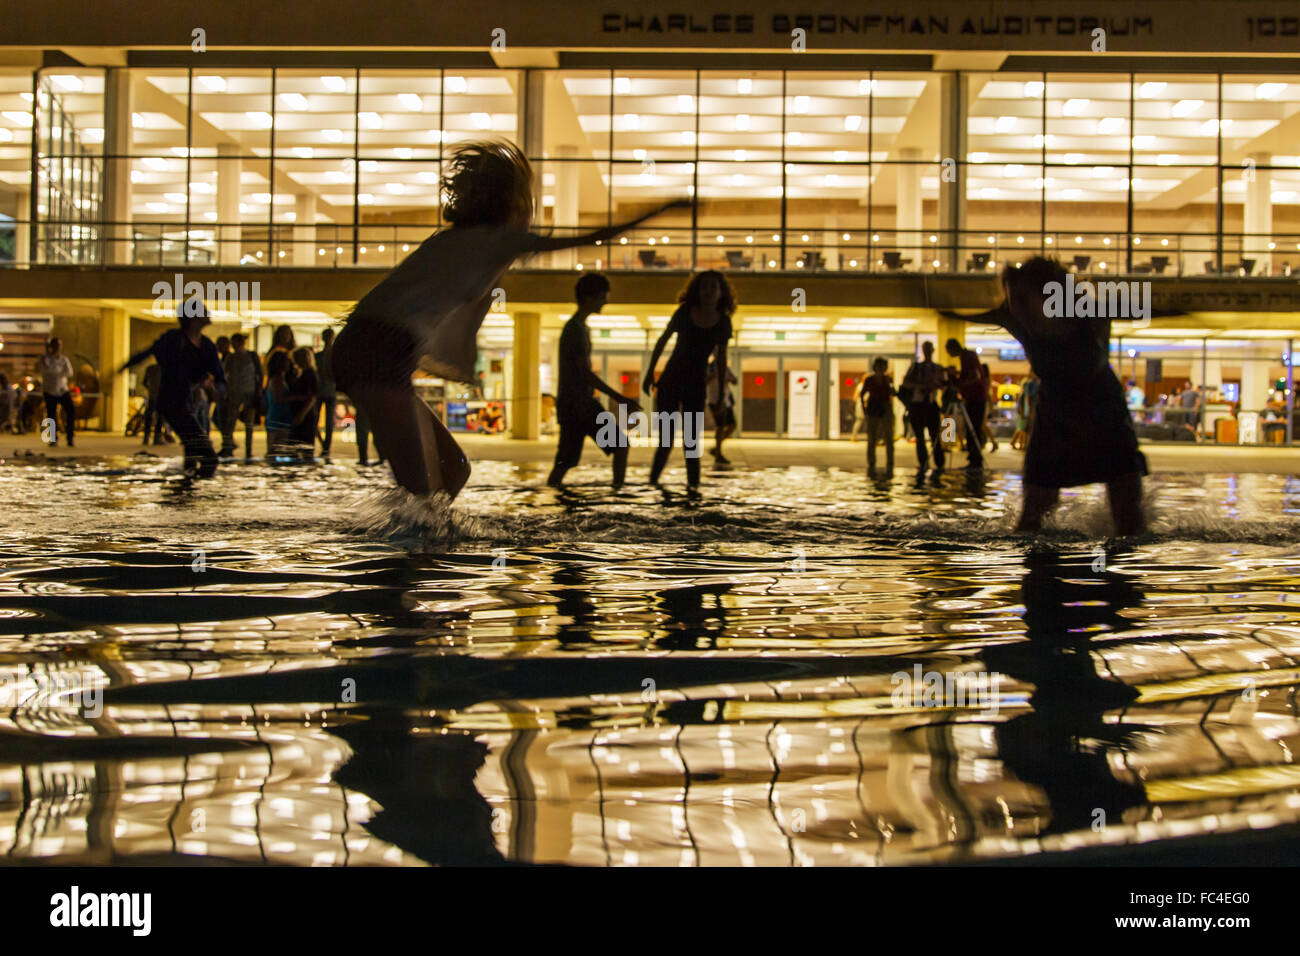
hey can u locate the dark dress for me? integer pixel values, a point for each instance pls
(1083, 433)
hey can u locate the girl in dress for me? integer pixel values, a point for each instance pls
(431, 306)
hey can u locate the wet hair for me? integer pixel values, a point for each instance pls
(690, 295)
(591, 283)
(487, 184)
(879, 364)
(239, 338)
(282, 331)
(278, 363)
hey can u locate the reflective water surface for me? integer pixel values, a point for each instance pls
(293, 665)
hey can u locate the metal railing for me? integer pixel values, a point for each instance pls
(739, 248)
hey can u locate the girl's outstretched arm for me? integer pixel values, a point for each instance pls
(536, 243)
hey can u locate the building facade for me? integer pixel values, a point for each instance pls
(854, 168)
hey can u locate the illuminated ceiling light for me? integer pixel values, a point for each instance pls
(793, 137)
(1186, 107)
(1143, 142)
(1149, 90)
(688, 137)
(320, 252)
(153, 162)
(259, 118)
(1164, 242)
(1266, 91)
(365, 199)
(685, 103)
(1005, 124)
(622, 85)
(295, 101)
(302, 152)
(402, 152)
(876, 237)
(991, 240)
(744, 86)
(1110, 124)
(977, 157)
(1078, 239)
(1137, 240)
(720, 237)
(738, 179)
(1013, 171)
(67, 82)
(1033, 89)
(338, 250)
(1166, 159)
(457, 84)
(801, 104)
(405, 246)
(631, 121)
(1072, 194)
(845, 237)
(738, 155)
(261, 199)
(805, 237)
(213, 84)
(1074, 106)
(92, 135)
(1287, 196)
(1073, 159)
(1020, 239)
(776, 237)
(411, 101)
(157, 206)
(1106, 241)
(394, 187)
(332, 135)
(866, 86)
(137, 120)
(638, 154)
(178, 198)
(371, 120)
(335, 176)
(1048, 240)
(742, 121)
(335, 84)
(851, 123)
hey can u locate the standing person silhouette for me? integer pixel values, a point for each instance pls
(974, 391)
(56, 380)
(188, 366)
(702, 324)
(1069, 447)
(431, 306)
(878, 404)
(579, 414)
(923, 379)
(329, 397)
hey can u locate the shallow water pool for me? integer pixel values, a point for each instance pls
(293, 664)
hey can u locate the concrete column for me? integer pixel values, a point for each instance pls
(304, 230)
(1257, 221)
(229, 231)
(909, 211)
(946, 329)
(116, 208)
(954, 95)
(1213, 376)
(114, 349)
(1254, 384)
(22, 228)
(526, 407)
(531, 110)
(832, 389)
(566, 203)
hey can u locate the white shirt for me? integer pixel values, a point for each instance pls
(56, 370)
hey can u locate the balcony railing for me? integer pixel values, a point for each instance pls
(743, 248)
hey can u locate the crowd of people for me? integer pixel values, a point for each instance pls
(431, 306)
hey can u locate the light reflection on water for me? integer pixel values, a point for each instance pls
(269, 668)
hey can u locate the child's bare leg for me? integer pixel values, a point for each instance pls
(424, 456)
(1038, 502)
(1125, 497)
